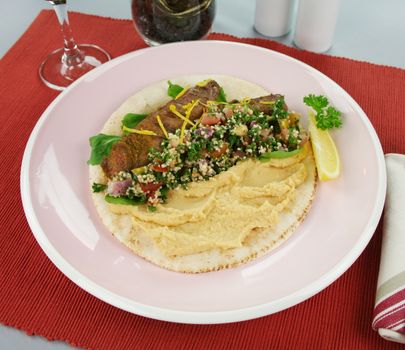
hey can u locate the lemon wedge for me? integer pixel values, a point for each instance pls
(325, 151)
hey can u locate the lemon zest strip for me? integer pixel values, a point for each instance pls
(140, 170)
(203, 83)
(267, 102)
(198, 122)
(181, 93)
(174, 110)
(140, 132)
(187, 118)
(162, 126)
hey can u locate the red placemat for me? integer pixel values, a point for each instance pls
(36, 297)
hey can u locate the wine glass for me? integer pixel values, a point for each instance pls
(65, 65)
(164, 21)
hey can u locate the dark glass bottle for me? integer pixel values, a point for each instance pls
(164, 21)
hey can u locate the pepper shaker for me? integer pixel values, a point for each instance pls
(273, 17)
(315, 24)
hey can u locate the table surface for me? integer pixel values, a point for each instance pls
(367, 30)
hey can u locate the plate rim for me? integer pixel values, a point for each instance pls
(200, 317)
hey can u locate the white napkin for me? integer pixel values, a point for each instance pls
(389, 311)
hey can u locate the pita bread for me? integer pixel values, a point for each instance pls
(258, 242)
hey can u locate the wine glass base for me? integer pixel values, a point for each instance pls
(57, 75)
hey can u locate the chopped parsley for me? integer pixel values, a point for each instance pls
(221, 97)
(151, 208)
(96, 187)
(279, 110)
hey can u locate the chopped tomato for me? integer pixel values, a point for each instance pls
(159, 169)
(238, 154)
(210, 120)
(246, 140)
(150, 187)
(284, 133)
(265, 133)
(220, 152)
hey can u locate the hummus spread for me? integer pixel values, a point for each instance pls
(223, 211)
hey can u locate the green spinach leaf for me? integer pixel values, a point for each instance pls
(131, 120)
(100, 147)
(173, 89)
(124, 200)
(279, 154)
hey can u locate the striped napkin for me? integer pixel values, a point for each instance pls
(389, 311)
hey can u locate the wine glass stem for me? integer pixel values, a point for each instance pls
(72, 55)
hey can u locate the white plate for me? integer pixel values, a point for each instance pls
(59, 209)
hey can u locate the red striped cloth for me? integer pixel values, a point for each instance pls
(36, 297)
(390, 313)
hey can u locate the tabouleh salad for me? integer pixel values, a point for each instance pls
(225, 133)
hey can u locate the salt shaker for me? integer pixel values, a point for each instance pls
(315, 26)
(273, 17)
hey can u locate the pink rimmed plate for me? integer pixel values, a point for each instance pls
(60, 212)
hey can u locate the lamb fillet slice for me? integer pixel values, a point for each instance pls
(132, 150)
(258, 105)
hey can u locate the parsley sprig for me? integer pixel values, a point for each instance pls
(327, 117)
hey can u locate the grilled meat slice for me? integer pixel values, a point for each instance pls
(132, 150)
(258, 105)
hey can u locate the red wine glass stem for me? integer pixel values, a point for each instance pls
(72, 55)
